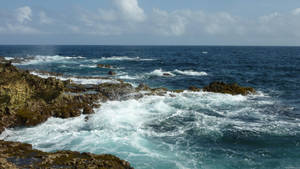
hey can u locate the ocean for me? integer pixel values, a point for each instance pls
(194, 130)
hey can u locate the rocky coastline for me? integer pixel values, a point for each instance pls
(28, 100)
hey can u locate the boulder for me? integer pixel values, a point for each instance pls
(234, 88)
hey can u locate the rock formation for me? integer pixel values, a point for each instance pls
(234, 89)
(28, 100)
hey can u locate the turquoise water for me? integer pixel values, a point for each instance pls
(192, 130)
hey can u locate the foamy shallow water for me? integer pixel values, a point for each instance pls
(160, 131)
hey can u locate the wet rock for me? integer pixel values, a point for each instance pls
(20, 155)
(111, 73)
(87, 109)
(116, 91)
(143, 87)
(167, 74)
(234, 88)
(194, 89)
(106, 66)
(178, 91)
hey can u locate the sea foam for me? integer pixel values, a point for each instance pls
(154, 131)
(77, 80)
(42, 59)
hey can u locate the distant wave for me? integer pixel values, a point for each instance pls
(126, 58)
(190, 73)
(9, 58)
(40, 59)
(89, 66)
(160, 72)
(77, 80)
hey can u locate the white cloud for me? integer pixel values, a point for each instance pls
(168, 23)
(108, 15)
(296, 11)
(21, 29)
(24, 14)
(131, 10)
(44, 19)
(181, 22)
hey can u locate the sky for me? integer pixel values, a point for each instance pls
(150, 22)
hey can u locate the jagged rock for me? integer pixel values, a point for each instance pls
(143, 87)
(87, 109)
(106, 66)
(194, 89)
(2, 59)
(178, 91)
(234, 89)
(112, 73)
(20, 155)
(119, 91)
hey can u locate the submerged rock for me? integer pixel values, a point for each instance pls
(234, 89)
(194, 89)
(20, 155)
(112, 73)
(106, 66)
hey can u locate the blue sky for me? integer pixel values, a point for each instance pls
(150, 22)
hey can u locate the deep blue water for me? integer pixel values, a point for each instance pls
(193, 130)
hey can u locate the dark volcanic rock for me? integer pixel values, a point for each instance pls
(234, 89)
(20, 155)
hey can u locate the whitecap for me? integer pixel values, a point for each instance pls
(190, 72)
(42, 59)
(160, 72)
(9, 58)
(77, 80)
(120, 58)
(88, 66)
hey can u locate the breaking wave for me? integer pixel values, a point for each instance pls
(120, 58)
(42, 59)
(160, 72)
(190, 73)
(77, 80)
(159, 131)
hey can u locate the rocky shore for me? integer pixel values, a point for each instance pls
(28, 100)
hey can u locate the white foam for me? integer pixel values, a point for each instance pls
(190, 72)
(9, 58)
(42, 59)
(120, 58)
(160, 72)
(135, 130)
(88, 65)
(83, 81)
